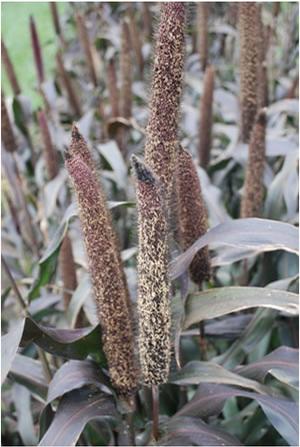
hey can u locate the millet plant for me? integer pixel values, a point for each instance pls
(149, 244)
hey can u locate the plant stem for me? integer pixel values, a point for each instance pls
(14, 285)
(45, 364)
(130, 425)
(155, 411)
(202, 341)
(23, 304)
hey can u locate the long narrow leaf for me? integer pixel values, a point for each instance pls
(258, 235)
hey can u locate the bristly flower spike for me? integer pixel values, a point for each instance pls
(7, 134)
(153, 277)
(206, 118)
(192, 214)
(166, 90)
(109, 285)
(37, 52)
(253, 194)
(248, 66)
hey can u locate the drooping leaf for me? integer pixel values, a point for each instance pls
(51, 192)
(113, 156)
(68, 343)
(196, 372)
(75, 410)
(9, 346)
(59, 234)
(259, 327)
(214, 303)
(75, 374)
(209, 400)
(283, 363)
(226, 328)
(22, 401)
(78, 298)
(30, 373)
(259, 235)
(193, 431)
(19, 116)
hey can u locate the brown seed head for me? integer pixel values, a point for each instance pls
(153, 277)
(7, 134)
(51, 156)
(253, 195)
(262, 75)
(192, 214)
(166, 92)
(206, 117)
(202, 19)
(67, 84)
(110, 288)
(10, 71)
(147, 20)
(67, 269)
(248, 66)
(37, 51)
(87, 47)
(126, 72)
(135, 36)
(113, 88)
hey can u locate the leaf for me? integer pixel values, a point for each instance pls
(196, 372)
(68, 343)
(19, 116)
(277, 190)
(113, 156)
(193, 431)
(283, 363)
(79, 297)
(22, 401)
(75, 410)
(209, 400)
(9, 346)
(54, 245)
(252, 233)
(46, 269)
(259, 327)
(39, 306)
(227, 328)
(51, 191)
(60, 233)
(214, 303)
(29, 372)
(75, 374)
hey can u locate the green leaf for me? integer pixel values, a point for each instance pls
(283, 363)
(9, 346)
(22, 401)
(193, 431)
(19, 116)
(113, 156)
(75, 374)
(257, 235)
(78, 298)
(209, 400)
(194, 373)
(75, 410)
(68, 343)
(48, 263)
(221, 301)
(30, 373)
(259, 327)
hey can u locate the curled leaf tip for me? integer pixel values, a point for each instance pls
(141, 171)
